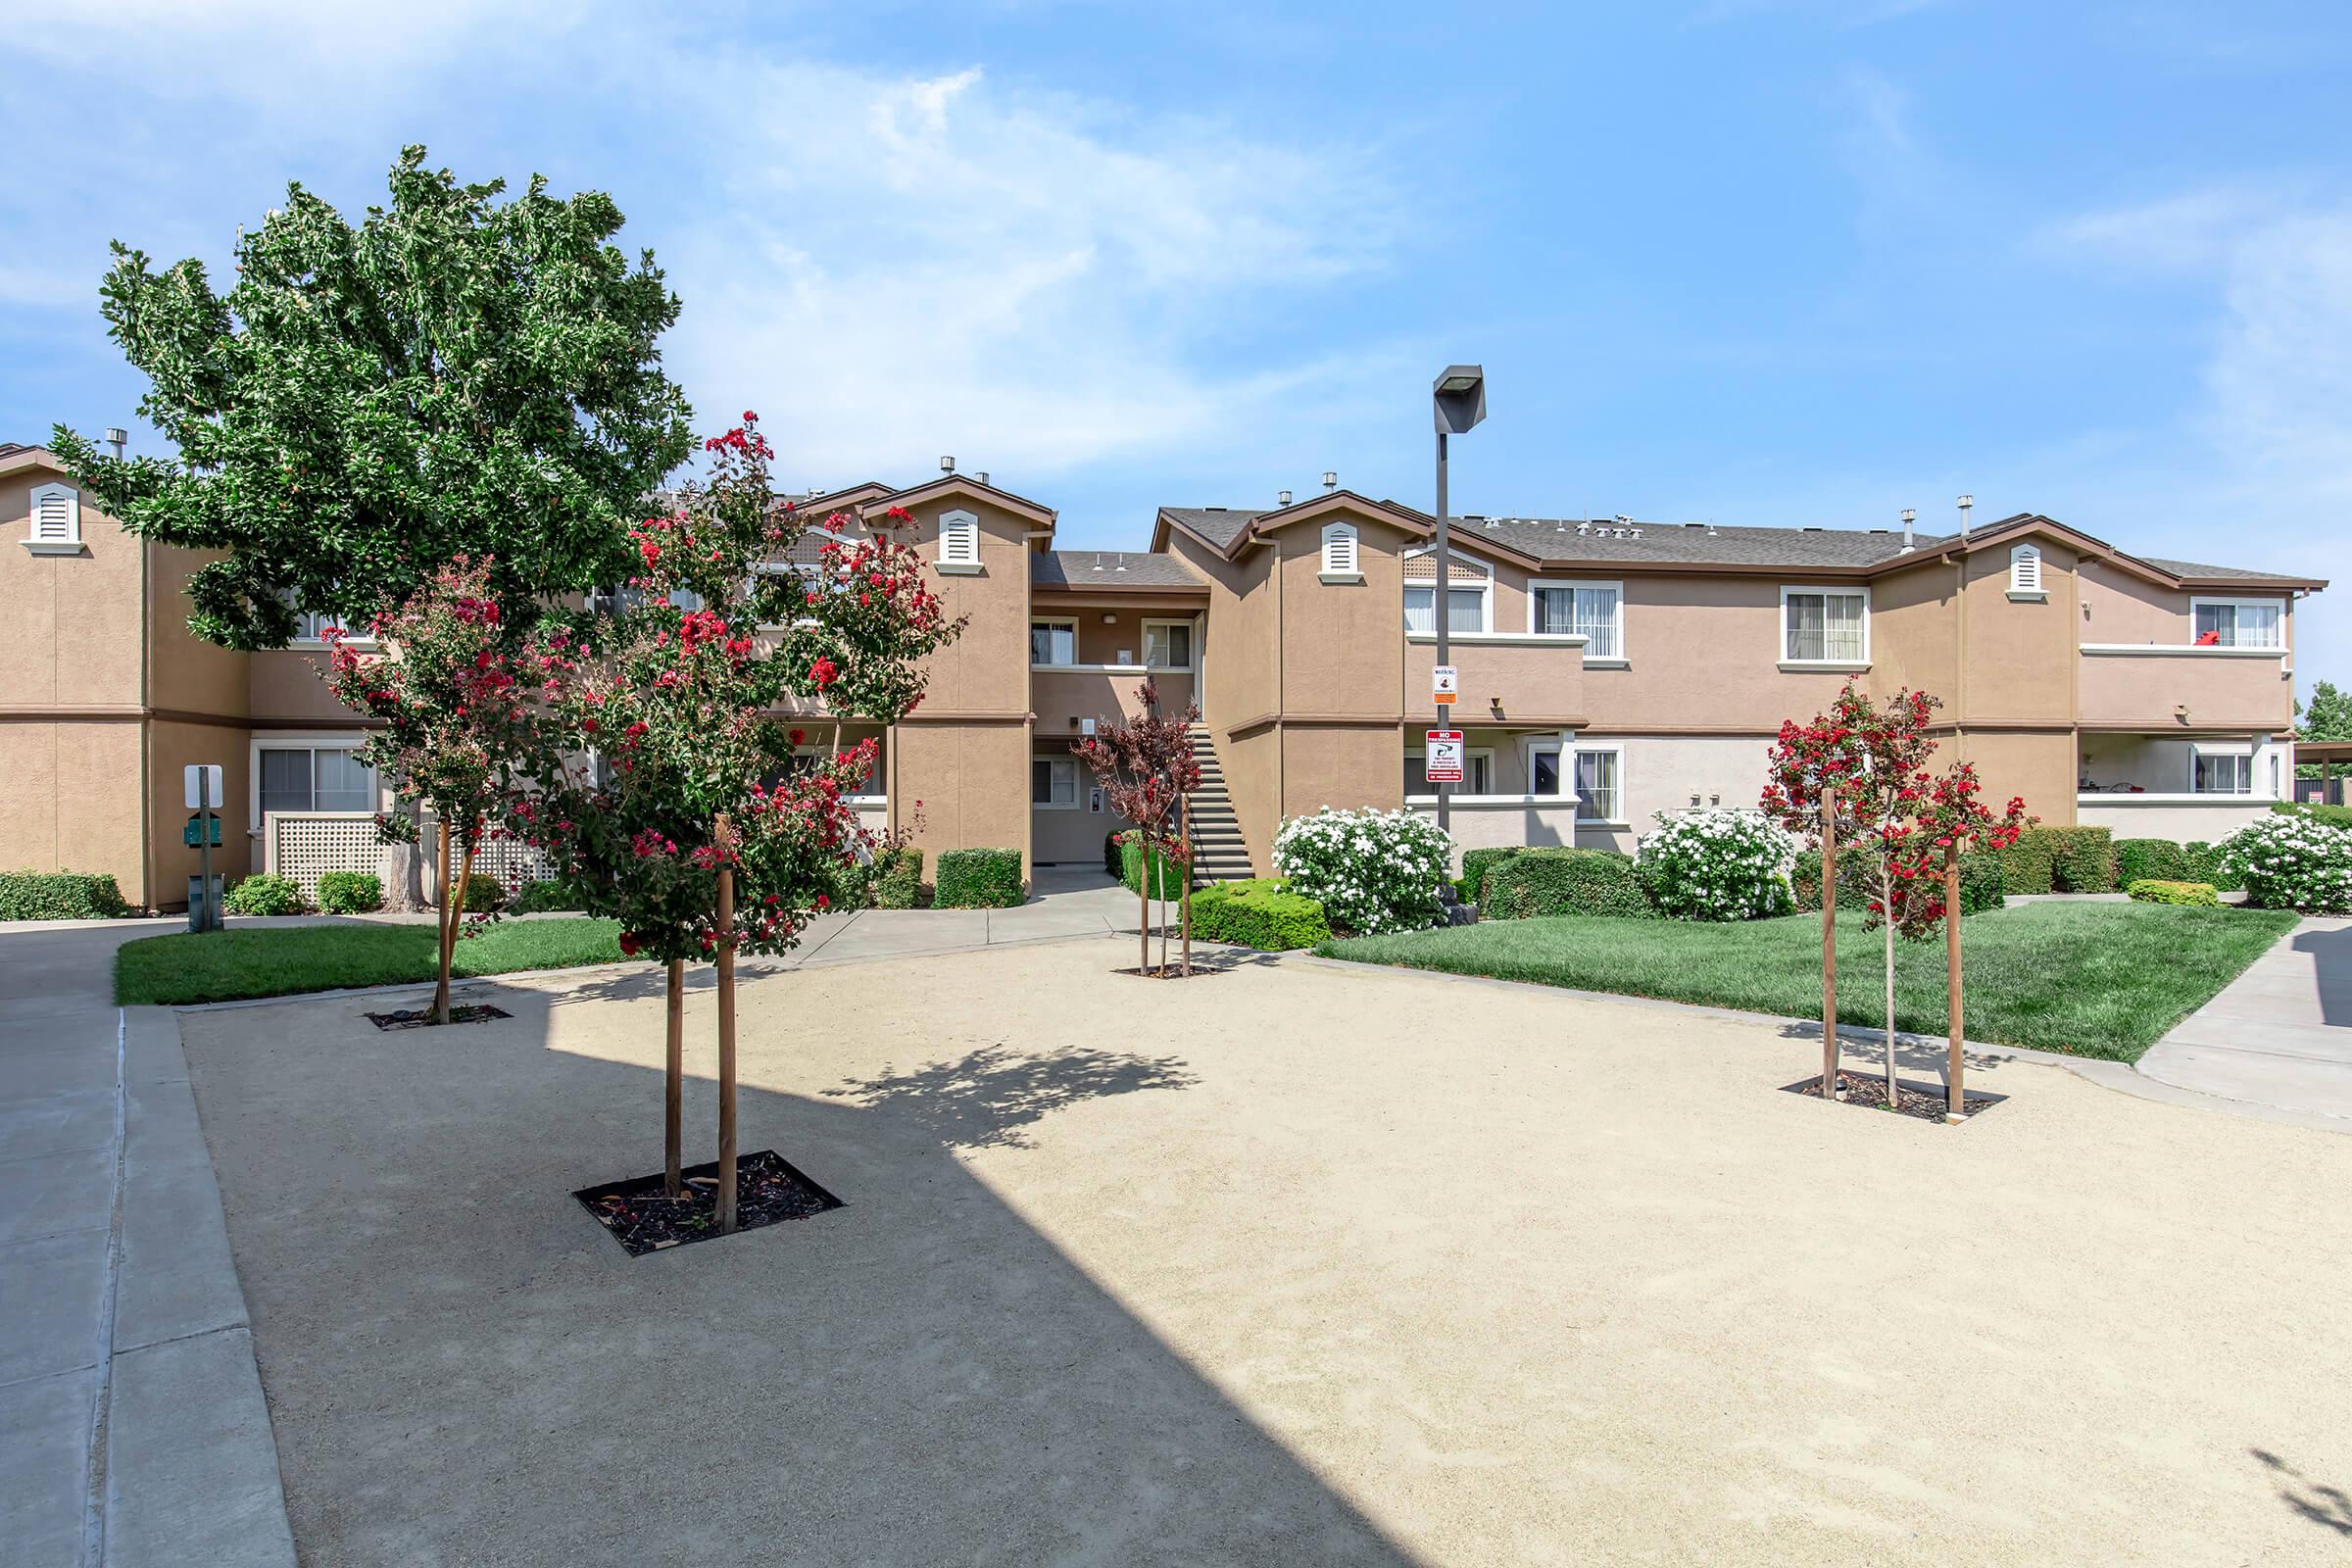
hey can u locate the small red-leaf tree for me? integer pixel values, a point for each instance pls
(1859, 772)
(450, 686)
(698, 807)
(1146, 769)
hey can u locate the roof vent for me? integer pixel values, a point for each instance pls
(1282, 498)
(1636, 534)
(1331, 481)
(981, 477)
(1121, 566)
(1097, 560)
(1810, 528)
(946, 464)
(1909, 516)
(1584, 527)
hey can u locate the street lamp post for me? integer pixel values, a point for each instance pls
(1458, 402)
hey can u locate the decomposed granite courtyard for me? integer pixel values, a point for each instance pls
(1298, 1264)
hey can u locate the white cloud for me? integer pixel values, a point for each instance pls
(901, 266)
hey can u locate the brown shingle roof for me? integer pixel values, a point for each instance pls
(1108, 569)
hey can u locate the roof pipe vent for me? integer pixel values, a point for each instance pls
(1966, 502)
(1331, 481)
(1282, 498)
(1909, 516)
(946, 464)
(981, 477)
(1584, 527)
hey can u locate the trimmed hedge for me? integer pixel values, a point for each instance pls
(264, 893)
(1258, 913)
(2083, 858)
(1168, 880)
(60, 896)
(1562, 881)
(1982, 880)
(978, 879)
(1476, 863)
(899, 879)
(547, 896)
(2028, 867)
(2158, 890)
(1112, 861)
(350, 893)
(2205, 865)
(2150, 861)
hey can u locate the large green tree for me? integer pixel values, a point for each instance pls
(457, 374)
(2327, 716)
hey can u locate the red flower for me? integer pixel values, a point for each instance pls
(629, 943)
(823, 672)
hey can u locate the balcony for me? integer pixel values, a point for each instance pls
(1506, 677)
(1064, 696)
(2159, 687)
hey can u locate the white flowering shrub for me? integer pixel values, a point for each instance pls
(1372, 871)
(2291, 863)
(1718, 864)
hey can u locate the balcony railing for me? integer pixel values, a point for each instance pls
(1505, 677)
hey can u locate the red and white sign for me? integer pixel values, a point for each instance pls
(1441, 763)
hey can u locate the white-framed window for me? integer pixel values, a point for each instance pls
(958, 539)
(1469, 597)
(1341, 558)
(1053, 642)
(2222, 770)
(55, 526)
(2276, 793)
(1593, 610)
(1168, 645)
(1824, 625)
(1600, 783)
(311, 774)
(2239, 623)
(1478, 773)
(1054, 783)
(2025, 571)
(1544, 776)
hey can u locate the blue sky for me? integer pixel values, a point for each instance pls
(1763, 263)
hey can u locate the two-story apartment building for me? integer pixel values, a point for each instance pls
(1610, 670)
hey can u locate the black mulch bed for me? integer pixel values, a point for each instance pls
(422, 1018)
(1172, 971)
(1927, 1102)
(644, 1218)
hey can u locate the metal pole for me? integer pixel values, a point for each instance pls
(204, 858)
(1441, 607)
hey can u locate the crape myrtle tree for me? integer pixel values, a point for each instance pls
(457, 374)
(452, 689)
(679, 806)
(1859, 773)
(1147, 771)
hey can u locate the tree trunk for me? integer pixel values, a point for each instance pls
(724, 839)
(457, 917)
(1828, 943)
(1185, 821)
(1143, 894)
(441, 932)
(1159, 885)
(673, 1088)
(1953, 1098)
(1886, 927)
(400, 866)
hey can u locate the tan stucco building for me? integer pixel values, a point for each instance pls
(1610, 670)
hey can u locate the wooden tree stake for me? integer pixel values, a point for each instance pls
(1953, 1099)
(446, 932)
(724, 839)
(1184, 825)
(674, 1096)
(1829, 942)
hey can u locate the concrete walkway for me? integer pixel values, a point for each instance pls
(133, 1428)
(2279, 1034)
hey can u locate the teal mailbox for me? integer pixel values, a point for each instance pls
(193, 834)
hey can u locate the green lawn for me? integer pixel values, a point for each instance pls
(228, 965)
(2092, 979)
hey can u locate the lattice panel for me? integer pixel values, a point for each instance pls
(1423, 568)
(510, 859)
(304, 844)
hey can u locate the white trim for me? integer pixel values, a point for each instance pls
(2179, 651)
(958, 539)
(2197, 601)
(2233, 750)
(1070, 622)
(1076, 801)
(1615, 749)
(1513, 639)
(1192, 638)
(1850, 590)
(1562, 768)
(310, 741)
(2025, 571)
(2153, 798)
(1535, 585)
(1343, 551)
(1437, 604)
(64, 539)
(1569, 800)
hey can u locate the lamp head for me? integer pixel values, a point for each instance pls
(1458, 398)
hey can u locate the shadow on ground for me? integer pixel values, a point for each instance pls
(2331, 956)
(2329, 1507)
(1862, 1049)
(462, 1366)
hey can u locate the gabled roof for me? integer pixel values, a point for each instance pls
(1111, 570)
(1229, 532)
(948, 484)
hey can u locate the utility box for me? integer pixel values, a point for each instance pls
(204, 905)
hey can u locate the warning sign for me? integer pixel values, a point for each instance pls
(1444, 683)
(1443, 762)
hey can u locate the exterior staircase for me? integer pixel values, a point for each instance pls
(1219, 853)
